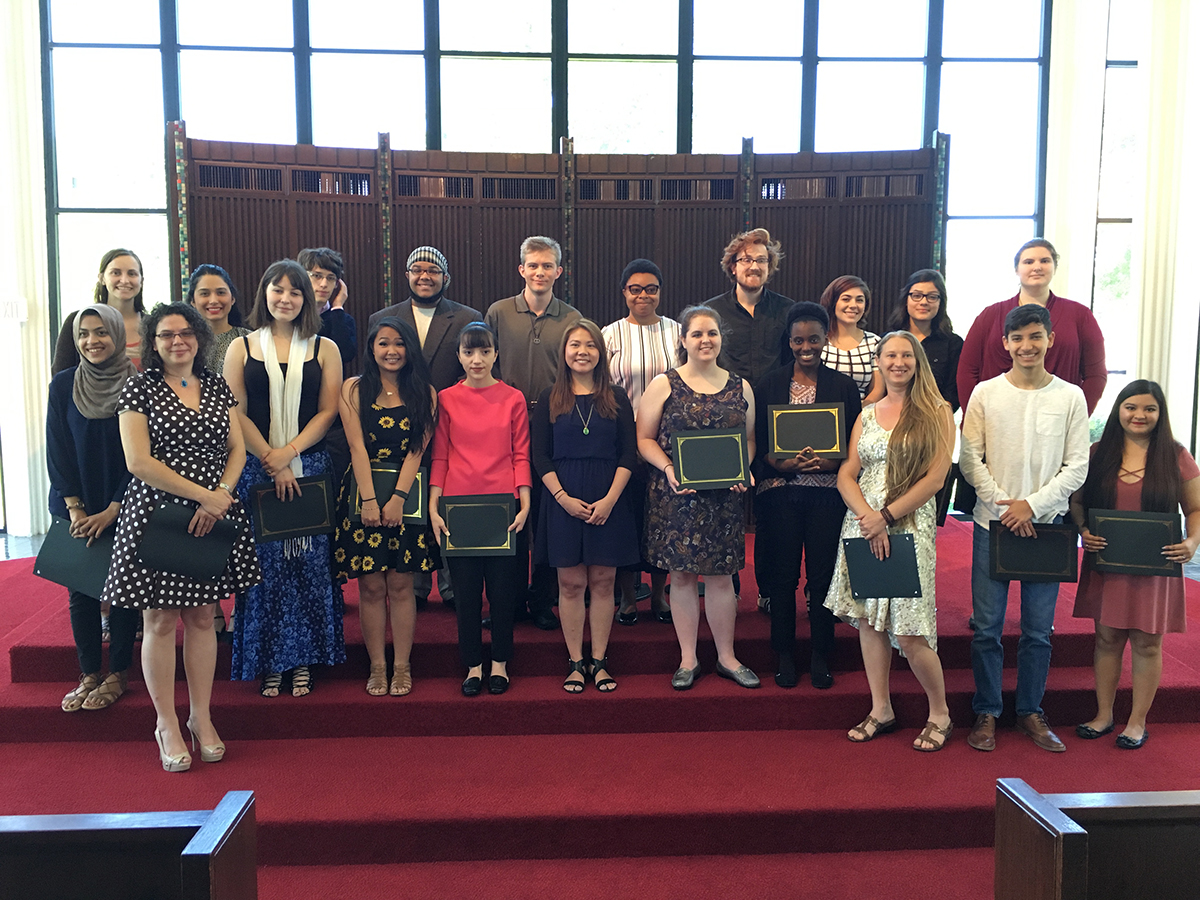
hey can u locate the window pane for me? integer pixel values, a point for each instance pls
(487, 25)
(115, 22)
(217, 107)
(85, 237)
(623, 26)
(347, 112)
(236, 23)
(726, 108)
(890, 96)
(1128, 29)
(1112, 300)
(979, 267)
(108, 115)
(623, 107)
(497, 105)
(990, 111)
(1124, 112)
(367, 24)
(1010, 28)
(872, 28)
(715, 33)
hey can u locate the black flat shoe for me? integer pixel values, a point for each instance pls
(497, 684)
(1124, 742)
(818, 671)
(545, 620)
(629, 618)
(664, 616)
(1090, 734)
(785, 672)
(472, 686)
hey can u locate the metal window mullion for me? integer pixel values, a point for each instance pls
(1043, 118)
(433, 76)
(560, 123)
(302, 56)
(933, 70)
(686, 66)
(168, 36)
(808, 82)
(49, 154)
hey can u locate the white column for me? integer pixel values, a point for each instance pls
(24, 307)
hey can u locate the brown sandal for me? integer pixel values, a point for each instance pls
(377, 684)
(74, 700)
(927, 735)
(880, 728)
(109, 691)
(401, 679)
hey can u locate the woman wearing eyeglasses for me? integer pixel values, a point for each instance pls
(921, 310)
(641, 346)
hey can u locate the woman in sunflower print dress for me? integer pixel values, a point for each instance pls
(389, 414)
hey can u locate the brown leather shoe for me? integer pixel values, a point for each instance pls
(983, 733)
(1036, 726)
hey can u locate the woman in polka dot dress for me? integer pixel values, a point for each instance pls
(389, 415)
(182, 446)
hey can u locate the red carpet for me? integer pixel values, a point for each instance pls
(538, 793)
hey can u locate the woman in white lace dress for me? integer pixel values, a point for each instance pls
(899, 456)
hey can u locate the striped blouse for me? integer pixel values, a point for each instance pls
(637, 353)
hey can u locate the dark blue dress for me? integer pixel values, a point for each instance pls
(585, 465)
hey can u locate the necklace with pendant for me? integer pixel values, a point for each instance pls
(588, 421)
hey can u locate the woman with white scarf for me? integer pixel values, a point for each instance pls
(286, 380)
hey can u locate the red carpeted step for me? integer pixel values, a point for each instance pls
(538, 705)
(389, 800)
(946, 874)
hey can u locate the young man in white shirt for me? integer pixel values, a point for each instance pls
(1025, 450)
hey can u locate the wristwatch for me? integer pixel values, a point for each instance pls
(226, 488)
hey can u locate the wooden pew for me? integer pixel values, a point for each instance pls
(201, 855)
(1100, 846)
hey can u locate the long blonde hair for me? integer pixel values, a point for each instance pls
(920, 434)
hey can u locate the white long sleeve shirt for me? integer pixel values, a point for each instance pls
(1025, 445)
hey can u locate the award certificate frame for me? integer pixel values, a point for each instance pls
(383, 479)
(310, 513)
(478, 524)
(1135, 541)
(871, 577)
(821, 426)
(69, 561)
(711, 459)
(1052, 556)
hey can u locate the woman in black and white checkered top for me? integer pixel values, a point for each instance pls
(851, 350)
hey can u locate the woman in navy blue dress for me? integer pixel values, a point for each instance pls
(584, 448)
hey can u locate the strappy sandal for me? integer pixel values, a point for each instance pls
(927, 735)
(270, 684)
(109, 691)
(74, 700)
(871, 722)
(377, 683)
(401, 680)
(302, 681)
(575, 665)
(605, 685)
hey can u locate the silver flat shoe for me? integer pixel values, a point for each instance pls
(684, 678)
(742, 675)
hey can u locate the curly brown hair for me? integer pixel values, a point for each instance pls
(740, 242)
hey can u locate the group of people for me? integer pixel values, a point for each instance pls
(575, 422)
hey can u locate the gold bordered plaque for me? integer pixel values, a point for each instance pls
(310, 513)
(1135, 541)
(478, 524)
(872, 577)
(383, 479)
(1052, 556)
(711, 459)
(69, 561)
(821, 426)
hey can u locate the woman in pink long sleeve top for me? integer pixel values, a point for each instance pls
(481, 446)
(1077, 354)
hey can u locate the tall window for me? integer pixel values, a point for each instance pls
(626, 76)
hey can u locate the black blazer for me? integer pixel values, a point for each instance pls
(441, 343)
(773, 390)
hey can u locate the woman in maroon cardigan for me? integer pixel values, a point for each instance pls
(1077, 354)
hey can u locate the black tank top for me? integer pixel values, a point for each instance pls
(258, 393)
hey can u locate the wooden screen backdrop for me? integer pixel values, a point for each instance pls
(879, 215)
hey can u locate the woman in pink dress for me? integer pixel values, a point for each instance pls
(1136, 465)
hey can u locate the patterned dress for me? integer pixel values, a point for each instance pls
(858, 363)
(193, 443)
(359, 548)
(899, 615)
(704, 532)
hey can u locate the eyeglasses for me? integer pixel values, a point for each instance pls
(317, 278)
(418, 272)
(636, 289)
(169, 336)
(757, 260)
(917, 297)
